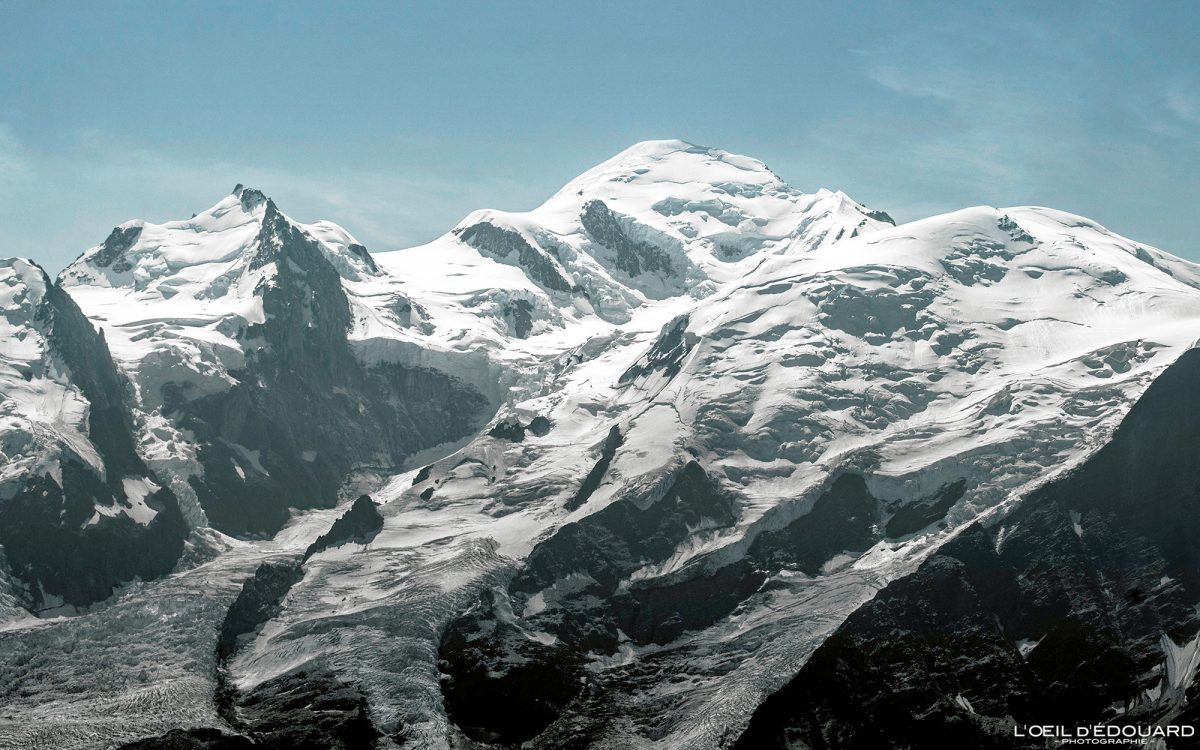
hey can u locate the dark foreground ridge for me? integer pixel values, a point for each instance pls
(1061, 613)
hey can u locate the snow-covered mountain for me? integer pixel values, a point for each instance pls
(631, 456)
(241, 330)
(81, 513)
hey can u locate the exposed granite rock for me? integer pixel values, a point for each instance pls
(529, 681)
(116, 245)
(632, 256)
(596, 475)
(666, 356)
(912, 517)
(358, 524)
(842, 519)
(259, 600)
(206, 738)
(51, 550)
(508, 244)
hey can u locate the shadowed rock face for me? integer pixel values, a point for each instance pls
(258, 601)
(192, 739)
(519, 314)
(666, 356)
(305, 411)
(509, 245)
(913, 517)
(630, 255)
(112, 252)
(308, 709)
(841, 520)
(528, 648)
(617, 540)
(596, 475)
(84, 351)
(49, 548)
(44, 528)
(528, 681)
(359, 524)
(1054, 615)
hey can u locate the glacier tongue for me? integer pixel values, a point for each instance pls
(659, 437)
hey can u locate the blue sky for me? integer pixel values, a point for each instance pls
(397, 119)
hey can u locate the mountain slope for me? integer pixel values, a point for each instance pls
(1076, 608)
(636, 454)
(859, 402)
(79, 511)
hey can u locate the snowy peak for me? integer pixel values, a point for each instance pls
(660, 220)
(735, 203)
(207, 254)
(666, 219)
(23, 334)
(680, 412)
(670, 161)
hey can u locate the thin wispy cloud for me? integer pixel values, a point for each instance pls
(14, 168)
(1184, 104)
(106, 179)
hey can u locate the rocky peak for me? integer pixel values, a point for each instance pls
(250, 198)
(113, 249)
(206, 255)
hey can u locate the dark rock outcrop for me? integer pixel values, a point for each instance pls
(633, 257)
(259, 600)
(304, 709)
(596, 475)
(658, 612)
(51, 550)
(912, 517)
(206, 738)
(307, 707)
(529, 681)
(883, 216)
(85, 353)
(519, 316)
(666, 356)
(510, 428)
(509, 245)
(358, 524)
(842, 519)
(116, 245)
